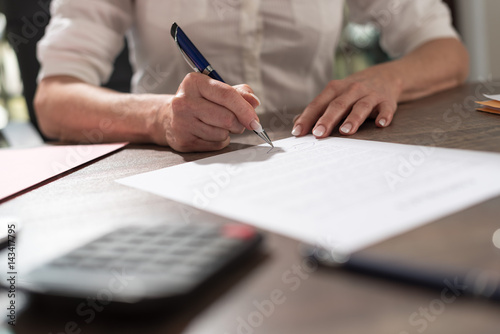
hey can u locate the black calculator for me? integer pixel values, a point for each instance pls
(139, 268)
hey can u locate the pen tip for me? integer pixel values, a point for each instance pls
(173, 29)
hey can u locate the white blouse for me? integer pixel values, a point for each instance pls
(284, 49)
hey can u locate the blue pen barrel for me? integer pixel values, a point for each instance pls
(196, 57)
(476, 282)
(215, 75)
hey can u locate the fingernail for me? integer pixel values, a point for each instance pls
(256, 126)
(258, 100)
(382, 122)
(297, 130)
(319, 131)
(346, 128)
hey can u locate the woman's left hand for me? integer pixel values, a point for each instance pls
(371, 93)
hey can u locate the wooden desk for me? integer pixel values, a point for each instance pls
(325, 300)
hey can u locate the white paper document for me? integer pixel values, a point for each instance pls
(493, 97)
(340, 193)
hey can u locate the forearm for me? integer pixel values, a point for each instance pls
(435, 66)
(199, 117)
(71, 110)
(376, 91)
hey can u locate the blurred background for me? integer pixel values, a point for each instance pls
(22, 24)
(476, 21)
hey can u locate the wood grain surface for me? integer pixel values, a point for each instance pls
(312, 300)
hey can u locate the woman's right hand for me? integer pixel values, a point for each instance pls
(204, 112)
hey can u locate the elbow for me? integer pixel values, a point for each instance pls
(44, 111)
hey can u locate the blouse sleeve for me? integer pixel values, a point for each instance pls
(83, 38)
(404, 24)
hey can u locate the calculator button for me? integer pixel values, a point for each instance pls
(223, 243)
(238, 231)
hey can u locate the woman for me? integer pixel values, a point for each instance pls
(282, 50)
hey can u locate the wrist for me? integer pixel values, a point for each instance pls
(140, 116)
(157, 118)
(391, 76)
(396, 76)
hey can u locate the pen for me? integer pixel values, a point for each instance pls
(199, 64)
(476, 282)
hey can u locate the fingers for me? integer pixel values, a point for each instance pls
(338, 109)
(352, 101)
(210, 133)
(385, 115)
(186, 133)
(360, 112)
(248, 95)
(221, 94)
(196, 144)
(204, 112)
(189, 134)
(305, 122)
(216, 116)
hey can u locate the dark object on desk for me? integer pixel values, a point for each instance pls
(141, 269)
(479, 283)
(4, 240)
(8, 234)
(3, 141)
